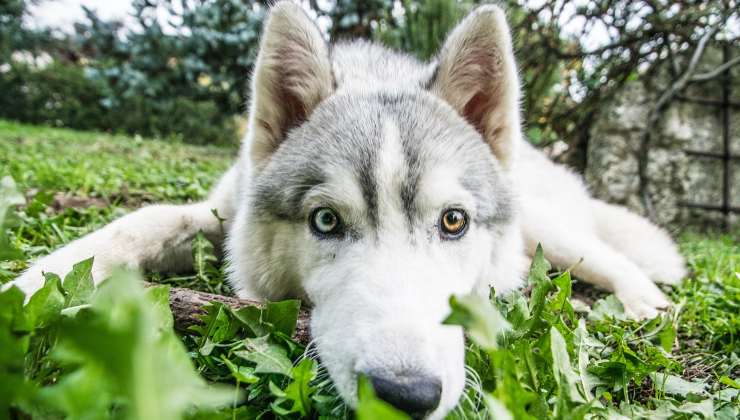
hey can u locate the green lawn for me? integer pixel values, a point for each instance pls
(77, 181)
(684, 364)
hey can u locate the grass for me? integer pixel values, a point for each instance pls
(555, 362)
(77, 181)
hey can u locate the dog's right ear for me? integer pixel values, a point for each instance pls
(291, 76)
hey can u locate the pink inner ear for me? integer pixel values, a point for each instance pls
(480, 70)
(294, 107)
(475, 110)
(480, 111)
(290, 72)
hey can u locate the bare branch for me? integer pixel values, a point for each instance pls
(703, 77)
(682, 81)
(656, 112)
(188, 305)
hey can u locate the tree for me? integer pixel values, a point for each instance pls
(566, 80)
(204, 51)
(14, 36)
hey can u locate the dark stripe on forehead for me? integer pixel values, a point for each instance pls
(410, 185)
(411, 136)
(398, 108)
(365, 172)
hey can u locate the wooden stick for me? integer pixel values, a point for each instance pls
(187, 305)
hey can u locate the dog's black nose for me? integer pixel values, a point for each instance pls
(415, 395)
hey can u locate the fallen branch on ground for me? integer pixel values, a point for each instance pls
(187, 305)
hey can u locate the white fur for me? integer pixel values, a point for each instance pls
(606, 245)
(157, 238)
(379, 300)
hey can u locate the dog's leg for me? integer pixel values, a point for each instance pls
(649, 246)
(596, 262)
(153, 238)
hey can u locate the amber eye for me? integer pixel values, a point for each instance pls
(324, 221)
(453, 223)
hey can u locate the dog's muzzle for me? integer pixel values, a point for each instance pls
(416, 395)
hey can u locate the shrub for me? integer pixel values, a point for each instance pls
(196, 122)
(62, 95)
(57, 95)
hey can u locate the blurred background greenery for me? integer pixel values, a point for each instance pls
(179, 68)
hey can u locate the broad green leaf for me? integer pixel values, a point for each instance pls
(78, 284)
(275, 390)
(518, 312)
(251, 317)
(729, 382)
(9, 197)
(565, 376)
(242, 412)
(588, 381)
(675, 385)
(46, 304)
(204, 256)
(560, 303)
(243, 374)
(278, 317)
(481, 320)
(121, 349)
(541, 287)
(268, 356)
(727, 394)
(73, 394)
(282, 315)
(667, 336)
(539, 267)
(299, 391)
(15, 331)
(159, 295)
(705, 408)
(607, 308)
(217, 327)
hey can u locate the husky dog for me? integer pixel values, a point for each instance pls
(374, 186)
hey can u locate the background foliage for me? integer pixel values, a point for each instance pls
(186, 73)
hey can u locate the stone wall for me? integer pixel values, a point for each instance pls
(674, 176)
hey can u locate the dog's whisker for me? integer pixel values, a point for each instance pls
(470, 372)
(474, 403)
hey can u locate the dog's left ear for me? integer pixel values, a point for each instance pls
(477, 75)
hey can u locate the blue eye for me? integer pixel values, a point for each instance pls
(325, 221)
(453, 223)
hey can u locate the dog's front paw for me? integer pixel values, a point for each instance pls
(642, 301)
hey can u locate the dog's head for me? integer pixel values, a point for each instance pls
(378, 199)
